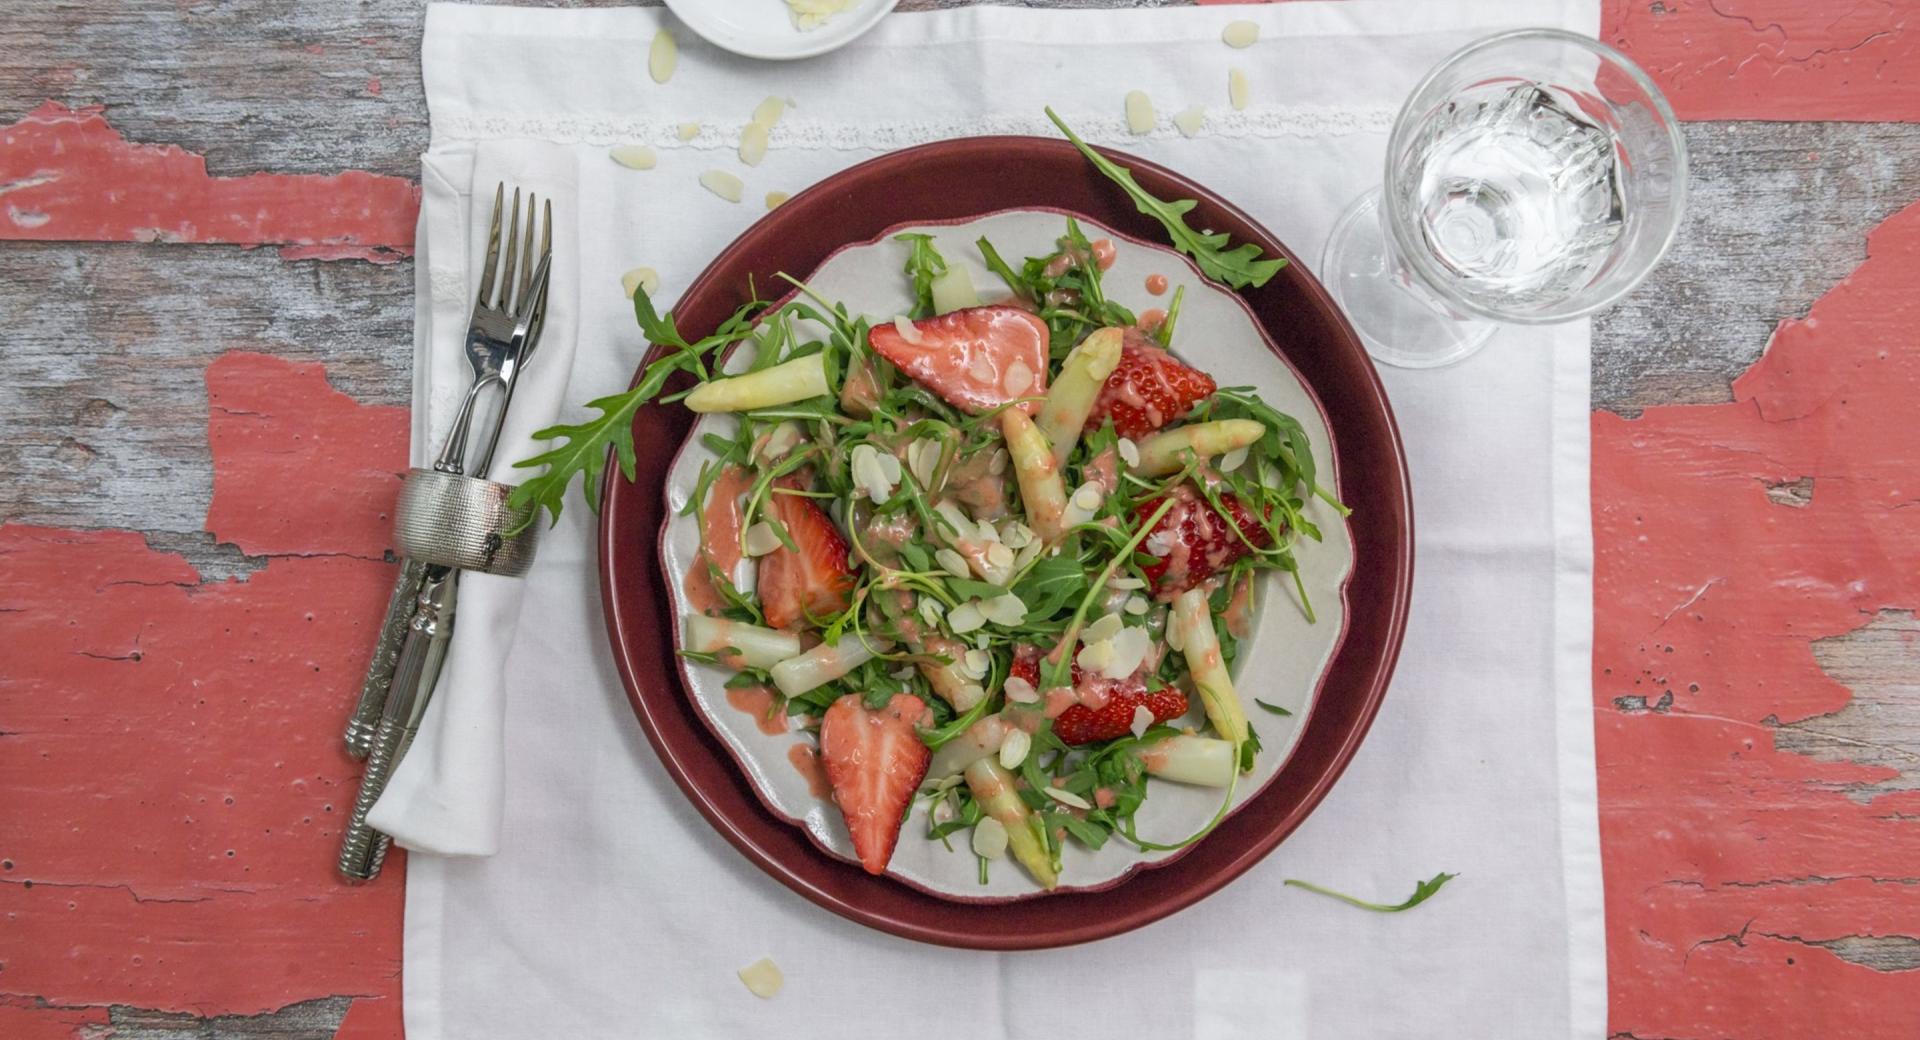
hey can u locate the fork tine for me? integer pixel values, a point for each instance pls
(526, 266)
(493, 247)
(500, 297)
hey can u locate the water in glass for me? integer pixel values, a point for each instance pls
(1515, 192)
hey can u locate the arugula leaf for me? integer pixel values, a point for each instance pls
(1238, 267)
(1275, 708)
(586, 445)
(924, 264)
(1421, 893)
(967, 588)
(1053, 583)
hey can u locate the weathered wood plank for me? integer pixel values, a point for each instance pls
(1776, 214)
(105, 401)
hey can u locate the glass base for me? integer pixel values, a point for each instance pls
(1399, 324)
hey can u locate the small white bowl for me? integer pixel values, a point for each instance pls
(764, 29)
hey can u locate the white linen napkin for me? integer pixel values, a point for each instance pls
(612, 909)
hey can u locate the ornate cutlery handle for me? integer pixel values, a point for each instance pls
(362, 849)
(386, 655)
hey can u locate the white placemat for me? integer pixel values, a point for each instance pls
(612, 909)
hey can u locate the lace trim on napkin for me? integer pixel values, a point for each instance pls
(610, 129)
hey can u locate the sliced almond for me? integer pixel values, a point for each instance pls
(931, 610)
(760, 539)
(952, 562)
(1019, 691)
(1237, 88)
(989, 838)
(923, 457)
(1018, 378)
(662, 56)
(1240, 34)
(907, 329)
(1014, 747)
(1106, 627)
(1005, 610)
(1140, 117)
(763, 978)
(640, 278)
(1232, 460)
(687, 131)
(634, 156)
(768, 112)
(1129, 452)
(723, 184)
(966, 617)
(753, 143)
(775, 198)
(1190, 120)
(1142, 718)
(1066, 798)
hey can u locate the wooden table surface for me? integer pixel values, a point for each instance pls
(207, 214)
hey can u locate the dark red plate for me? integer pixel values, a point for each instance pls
(947, 181)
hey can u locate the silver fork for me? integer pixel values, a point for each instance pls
(505, 330)
(491, 348)
(496, 359)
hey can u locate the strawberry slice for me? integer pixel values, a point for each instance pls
(976, 359)
(1194, 543)
(1104, 709)
(814, 582)
(1148, 389)
(875, 761)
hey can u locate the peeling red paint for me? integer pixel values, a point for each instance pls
(66, 175)
(371, 1018)
(171, 744)
(1775, 59)
(1724, 855)
(340, 460)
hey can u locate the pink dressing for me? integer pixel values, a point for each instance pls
(1104, 797)
(719, 539)
(806, 762)
(1239, 612)
(1157, 284)
(1103, 469)
(1104, 253)
(1151, 319)
(759, 702)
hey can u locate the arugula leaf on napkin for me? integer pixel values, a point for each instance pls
(1421, 893)
(1238, 267)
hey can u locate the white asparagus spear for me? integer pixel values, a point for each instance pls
(974, 743)
(1041, 489)
(1201, 647)
(1070, 399)
(758, 647)
(784, 383)
(1190, 759)
(1164, 452)
(824, 663)
(992, 787)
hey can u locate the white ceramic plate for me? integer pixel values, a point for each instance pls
(764, 29)
(1282, 662)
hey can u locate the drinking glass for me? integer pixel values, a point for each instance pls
(1533, 177)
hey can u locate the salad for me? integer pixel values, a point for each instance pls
(996, 556)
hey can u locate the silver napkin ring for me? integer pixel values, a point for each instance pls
(464, 522)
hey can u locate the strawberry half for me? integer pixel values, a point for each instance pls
(1194, 543)
(976, 359)
(1084, 723)
(1148, 389)
(875, 761)
(815, 581)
